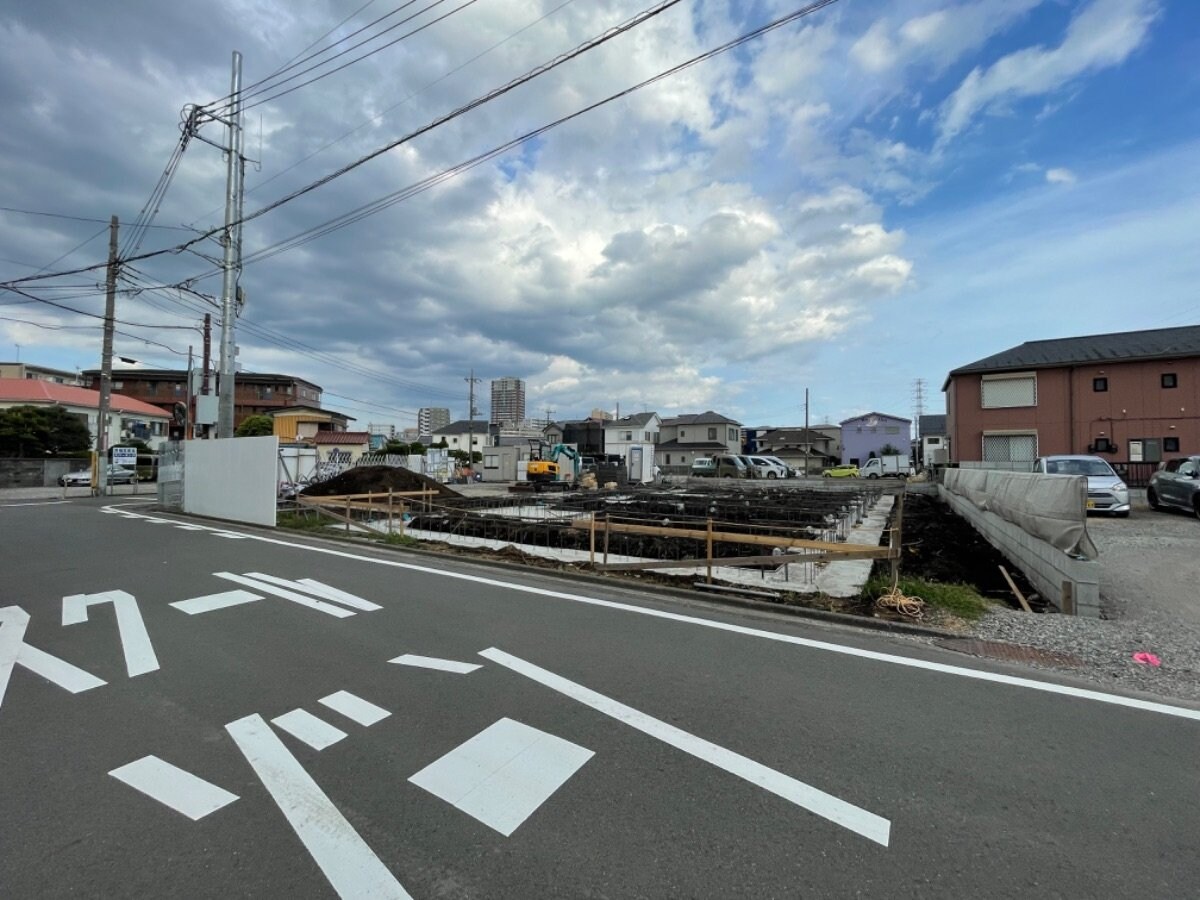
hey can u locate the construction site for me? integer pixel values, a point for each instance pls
(794, 537)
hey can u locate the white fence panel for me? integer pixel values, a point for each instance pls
(232, 479)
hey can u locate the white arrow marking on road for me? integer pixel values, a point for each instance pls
(174, 787)
(348, 862)
(196, 605)
(869, 825)
(442, 665)
(304, 726)
(252, 581)
(135, 640)
(317, 589)
(13, 650)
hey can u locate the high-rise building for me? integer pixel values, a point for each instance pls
(508, 402)
(432, 418)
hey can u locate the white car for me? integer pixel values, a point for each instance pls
(768, 467)
(116, 475)
(1106, 492)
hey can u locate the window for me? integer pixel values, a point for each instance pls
(667, 459)
(1171, 445)
(712, 434)
(682, 434)
(491, 461)
(933, 441)
(628, 436)
(1000, 391)
(1007, 447)
(1145, 450)
(1169, 380)
(892, 429)
(647, 436)
(1099, 385)
(733, 435)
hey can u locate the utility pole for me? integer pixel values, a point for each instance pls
(919, 410)
(106, 355)
(472, 381)
(807, 433)
(549, 413)
(232, 239)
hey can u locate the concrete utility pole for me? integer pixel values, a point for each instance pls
(472, 381)
(106, 354)
(807, 433)
(233, 250)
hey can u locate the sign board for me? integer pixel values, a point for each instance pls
(125, 456)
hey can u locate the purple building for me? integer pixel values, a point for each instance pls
(866, 436)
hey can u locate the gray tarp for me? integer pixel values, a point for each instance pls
(1050, 507)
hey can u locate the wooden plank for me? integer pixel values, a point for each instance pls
(1012, 584)
(762, 540)
(734, 561)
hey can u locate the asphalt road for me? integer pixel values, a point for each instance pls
(610, 744)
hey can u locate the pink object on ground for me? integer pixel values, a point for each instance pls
(1147, 659)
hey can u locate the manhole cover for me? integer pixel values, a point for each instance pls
(1009, 652)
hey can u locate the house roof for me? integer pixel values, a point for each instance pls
(691, 445)
(298, 410)
(794, 436)
(464, 426)
(705, 418)
(1158, 343)
(342, 437)
(634, 421)
(181, 374)
(878, 414)
(35, 392)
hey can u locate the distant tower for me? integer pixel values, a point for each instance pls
(508, 402)
(918, 404)
(432, 418)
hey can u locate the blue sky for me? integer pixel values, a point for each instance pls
(874, 195)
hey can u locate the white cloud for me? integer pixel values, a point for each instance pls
(1102, 35)
(1060, 176)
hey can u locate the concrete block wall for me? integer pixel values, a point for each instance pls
(1072, 585)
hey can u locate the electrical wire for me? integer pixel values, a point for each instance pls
(34, 212)
(288, 64)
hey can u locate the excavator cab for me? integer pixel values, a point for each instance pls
(540, 470)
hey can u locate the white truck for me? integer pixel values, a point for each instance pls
(894, 465)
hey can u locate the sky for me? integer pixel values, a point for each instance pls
(853, 203)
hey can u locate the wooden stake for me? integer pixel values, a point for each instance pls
(606, 539)
(708, 549)
(592, 540)
(1013, 586)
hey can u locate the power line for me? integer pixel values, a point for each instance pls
(288, 64)
(34, 212)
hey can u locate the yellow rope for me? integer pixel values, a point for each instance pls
(895, 600)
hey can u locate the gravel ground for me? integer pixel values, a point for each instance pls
(1150, 588)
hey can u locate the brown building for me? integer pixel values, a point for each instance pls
(1133, 396)
(254, 394)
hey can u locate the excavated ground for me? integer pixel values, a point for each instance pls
(376, 479)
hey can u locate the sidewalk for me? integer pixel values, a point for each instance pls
(31, 494)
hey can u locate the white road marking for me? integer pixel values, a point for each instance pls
(503, 774)
(318, 590)
(230, 535)
(836, 810)
(354, 707)
(1047, 687)
(252, 580)
(13, 650)
(174, 787)
(190, 527)
(343, 856)
(304, 726)
(209, 602)
(135, 640)
(38, 503)
(429, 662)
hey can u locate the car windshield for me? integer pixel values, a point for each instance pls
(1090, 467)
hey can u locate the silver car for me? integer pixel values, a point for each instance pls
(1176, 483)
(116, 475)
(1107, 493)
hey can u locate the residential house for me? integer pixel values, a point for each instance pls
(303, 423)
(634, 438)
(1134, 395)
(682, 438)
(933, 445)
(805, 449)
(39, 373)
(462, 434)
(341, 449)
(128, 420)
(872, 434)
(254, 393)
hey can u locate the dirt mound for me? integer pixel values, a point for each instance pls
(374, 480)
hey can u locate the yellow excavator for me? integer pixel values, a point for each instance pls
(543, 466)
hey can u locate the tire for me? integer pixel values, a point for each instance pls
(771, 475)
(872, 475)
(826, 475)
(1196, 505)
(1152, 498)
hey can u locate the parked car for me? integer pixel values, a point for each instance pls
(767, 467)
(792, 471)
(1106, 492)
(116, 475)
(848, 470)
(1176, 483)
(725, 465)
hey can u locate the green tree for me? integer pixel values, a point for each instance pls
(41, 431)
(256, 426)
(416, 448)
(394, 446)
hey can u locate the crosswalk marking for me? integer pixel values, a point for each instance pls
(209, 602)
(429, 662)
(304, 726)
(354, 707)
(174, 787)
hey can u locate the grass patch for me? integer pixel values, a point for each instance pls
(399, 540)
(303, 521)
(959, 599)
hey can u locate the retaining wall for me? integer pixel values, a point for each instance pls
(1071, 584)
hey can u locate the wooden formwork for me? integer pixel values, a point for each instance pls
(342, 507)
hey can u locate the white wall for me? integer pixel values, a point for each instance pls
(233, 478)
